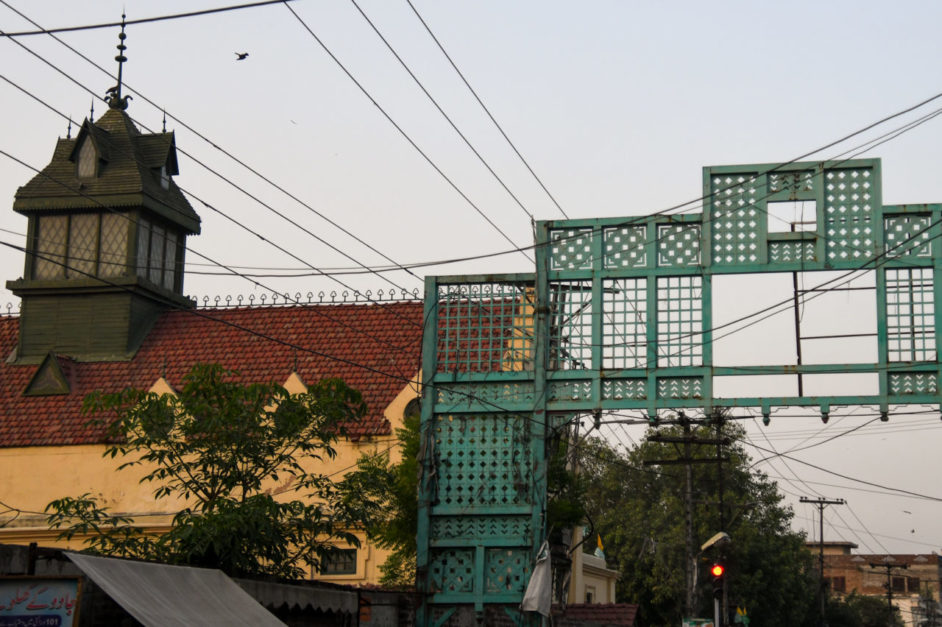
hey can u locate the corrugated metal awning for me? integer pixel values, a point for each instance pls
(301, 597)
(159, 595)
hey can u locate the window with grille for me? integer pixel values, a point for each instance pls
(340, 562)
(87, 166)
(80, 245)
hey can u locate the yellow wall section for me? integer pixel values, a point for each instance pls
(34, 476)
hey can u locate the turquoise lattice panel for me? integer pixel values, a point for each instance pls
(452, 570)
(570, 333)
(571, 249)
(679, 321)
(792, 251)
(482, 460)
(485, 327)
(624, 323)
(678, 245)
(848, 206)
(902, 383)
(481, 528)
(907, 236)
(488, 393)
(791, 182)
(570, 390)
(910, 314)
(506, 570)
(680, 387)
(737, 226)
(620, 389)
(626, 247)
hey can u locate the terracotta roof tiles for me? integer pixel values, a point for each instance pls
(374, 348)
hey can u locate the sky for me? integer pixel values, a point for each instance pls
(616, 106)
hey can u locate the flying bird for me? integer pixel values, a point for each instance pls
(241, 55)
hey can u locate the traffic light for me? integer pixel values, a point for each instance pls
(718, 571)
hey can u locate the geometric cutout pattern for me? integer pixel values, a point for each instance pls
(570, 334)
(506, 570)
(454, 394)
(848, 207)
(485, 327)
(619, 389)
(570, 249)
(482, 460)
(793, 182)
(907, 235)
(735, 219)
(678, 245)
(452, 570)
(913, 383)
(479, 528)
(910, 315)
(679, 321)
(791, 252)
(625, 247)
(624, 323)
(569, 390)
(680, 387)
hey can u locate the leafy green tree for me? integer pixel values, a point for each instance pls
(640, 512)
(391, 491)
(857, 610)
(220, 446)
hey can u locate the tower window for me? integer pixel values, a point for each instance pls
(87, 160)
(157, 249)
(80, 245)
(164, 177)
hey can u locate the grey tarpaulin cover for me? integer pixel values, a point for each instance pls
(539, 594)
(159, 595)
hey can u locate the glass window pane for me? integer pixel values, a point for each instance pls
(114, 245)
(143, 247)
(83, 245)
(158, 237)
(170, 258)
(50, 247)
(86, 160)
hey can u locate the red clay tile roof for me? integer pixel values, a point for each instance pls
(386, 338)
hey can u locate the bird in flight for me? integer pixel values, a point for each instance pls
(241, 55)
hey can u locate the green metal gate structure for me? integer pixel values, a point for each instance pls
(618, 315)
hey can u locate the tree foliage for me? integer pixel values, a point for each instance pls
(640, 512)
(857, 610)
(391, 489)
(243, 459)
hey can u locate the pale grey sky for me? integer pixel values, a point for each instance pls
(616, 105)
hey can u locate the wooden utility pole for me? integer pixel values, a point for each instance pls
(821, 503)
(688, 439)
(889, 577)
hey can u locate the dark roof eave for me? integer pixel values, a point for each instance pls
(186, 218)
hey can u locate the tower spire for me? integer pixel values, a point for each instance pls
(114, 98)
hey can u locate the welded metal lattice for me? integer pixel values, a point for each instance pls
(619, 315)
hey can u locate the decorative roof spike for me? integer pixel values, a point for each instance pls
(68, 131)
(91, 116)
(165, 120)
(113, 95)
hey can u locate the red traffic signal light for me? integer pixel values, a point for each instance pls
(717, 570)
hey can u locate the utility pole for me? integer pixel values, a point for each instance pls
(688, 439)
(889, 577)
(821, 503)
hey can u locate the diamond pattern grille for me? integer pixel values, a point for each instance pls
(114, 245)
(736, 225)
(678, 245)
(907, 236)
(571, 249)
(625, 247)
(83, 245)
(506, 570)
(452, 571)
(848, 206)
(52, 236)
(482, 459)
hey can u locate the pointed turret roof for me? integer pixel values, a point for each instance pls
(129, 174)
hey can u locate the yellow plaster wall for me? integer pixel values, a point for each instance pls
(33, 476)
